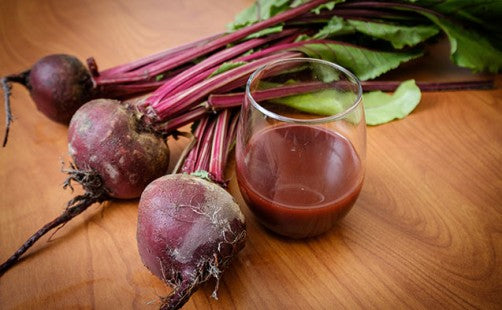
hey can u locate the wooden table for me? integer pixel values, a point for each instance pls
(426, 231)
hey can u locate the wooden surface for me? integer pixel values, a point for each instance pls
(426, 231)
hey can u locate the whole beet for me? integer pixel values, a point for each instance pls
(59, 84)
(106, 137)
(114, 156)
(189, 229)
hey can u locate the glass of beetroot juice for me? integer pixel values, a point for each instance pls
(301, 143)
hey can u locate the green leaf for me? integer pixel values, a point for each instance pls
(264, 32)
(258, 11)
(227, 66)
(335, 26)
(382, 108)
(327, 6)
(379, 107)
(469, 49)
(264, 9)
(324, 102)
(202, 174)
(399, 36)
(485, 13)
(364, 63)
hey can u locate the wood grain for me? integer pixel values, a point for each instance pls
(426, 231)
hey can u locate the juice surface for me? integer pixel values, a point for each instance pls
(299, 180)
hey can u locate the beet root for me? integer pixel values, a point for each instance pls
(59, 84)
(107, 137)
(189, 229)
(114, 156)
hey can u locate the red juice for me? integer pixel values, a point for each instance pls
(299, 180)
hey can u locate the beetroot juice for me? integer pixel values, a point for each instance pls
(299, 180)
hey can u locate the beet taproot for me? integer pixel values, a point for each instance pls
(107, 137)
(189, 229)
(114, 157)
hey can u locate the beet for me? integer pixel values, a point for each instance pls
(114, 157)
(107, 137)
(59, 85)
(189, 229)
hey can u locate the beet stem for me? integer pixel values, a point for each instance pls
(202, 163)
(189, 162)
(153, 59)
(231, 100)
(218, 147)
(75, 206)
(232, 134)
(223, 41)
(182, 120)
(210, 63)
(184, 154)
(389, 5)
(183, 101)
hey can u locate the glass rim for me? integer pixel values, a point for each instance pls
(319, 120)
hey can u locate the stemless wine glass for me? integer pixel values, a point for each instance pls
(301, 144)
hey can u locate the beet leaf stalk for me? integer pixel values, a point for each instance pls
(211, 62)
(189, 227)
(185, 100)
(231, 100)
(225, 40)
(142, 64)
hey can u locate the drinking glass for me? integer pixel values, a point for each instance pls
(301, 143)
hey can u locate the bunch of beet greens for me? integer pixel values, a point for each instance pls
(194, 81)
(368, 37)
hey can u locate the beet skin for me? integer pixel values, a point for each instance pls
(105, 136)
(189, 229)
(59, 84)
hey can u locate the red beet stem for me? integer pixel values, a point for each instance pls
(128, 90)
(232, 134)
(278, 48)
(142, 64)
(231, 100)
(387, 5)
(211, 62)
(185, 100)
(356, 13)
(219, 147)
(220, 42)
(182, 120)
(202, 163)
(225, 101)
(431, 86)
(198, 133)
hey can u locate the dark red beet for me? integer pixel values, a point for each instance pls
(189, 229)
(105, 136)
(114, 157)
(59, 85)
